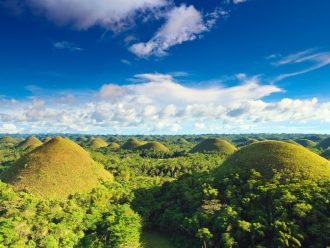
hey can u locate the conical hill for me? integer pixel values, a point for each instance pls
(97, 143)
(55, 170)
(132, 144)
(30, 143)
(269, 156)
(215, 145)
(154, 146)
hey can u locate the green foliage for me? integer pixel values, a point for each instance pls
(248, 212)
(119, 228)
(306, 143)
(267, 194)
(326, 154)
(8, 140)
(96, 218)
(125, 163)
(152, 239)
(324, 144)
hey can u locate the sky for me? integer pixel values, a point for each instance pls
(164, 66)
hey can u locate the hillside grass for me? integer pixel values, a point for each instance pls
(215, 145)
(154, 146)
(114, 146)
(324, 144)
(132, 144)
(30, 143)
(306, 143)
(55, 170)
(97, 143)
(267, 156)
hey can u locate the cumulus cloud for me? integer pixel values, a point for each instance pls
(156, 84)
(82, 14)
(183, 23)
(158, 103)
(9, 128)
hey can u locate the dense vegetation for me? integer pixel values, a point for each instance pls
(164, 191)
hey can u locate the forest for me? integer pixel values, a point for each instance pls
(208, 191)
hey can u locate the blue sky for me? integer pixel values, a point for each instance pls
(162, 66)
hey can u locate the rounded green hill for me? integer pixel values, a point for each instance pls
(132, 144)
(290, 141)
(326, 154)
(114, 139)
(324, 144)
(30, 143)
(306, 143)
(114, 146)
(97, 143)
(155, 147)
(55, 170)
(215, 145)
(45, 140)
(8, 140)
(182, 141)
(267, 156)
(82, 139)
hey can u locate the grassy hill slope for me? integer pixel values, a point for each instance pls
(30, 143)
(154, 146)
(55, 170)
(215, 145)
(284, 157)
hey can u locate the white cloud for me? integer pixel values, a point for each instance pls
(156, 85)
(239, 1)
(9, 128)
(82, 14)
(200, 125)
(65, 45)
(183, 23)
(125, 61)
(235, 1)
(160, 104)
(311, 59)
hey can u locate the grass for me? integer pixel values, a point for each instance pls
(324, 144)
(97, 143)
(55, 170)
(284, 157)
(290, 141)
(152, 239)
(132, 144)
(154, 146)
(45, 140)
(326, 154)
(30, 143)
(8, 140)
(306, 143)
(215, 145)
(114, 146)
